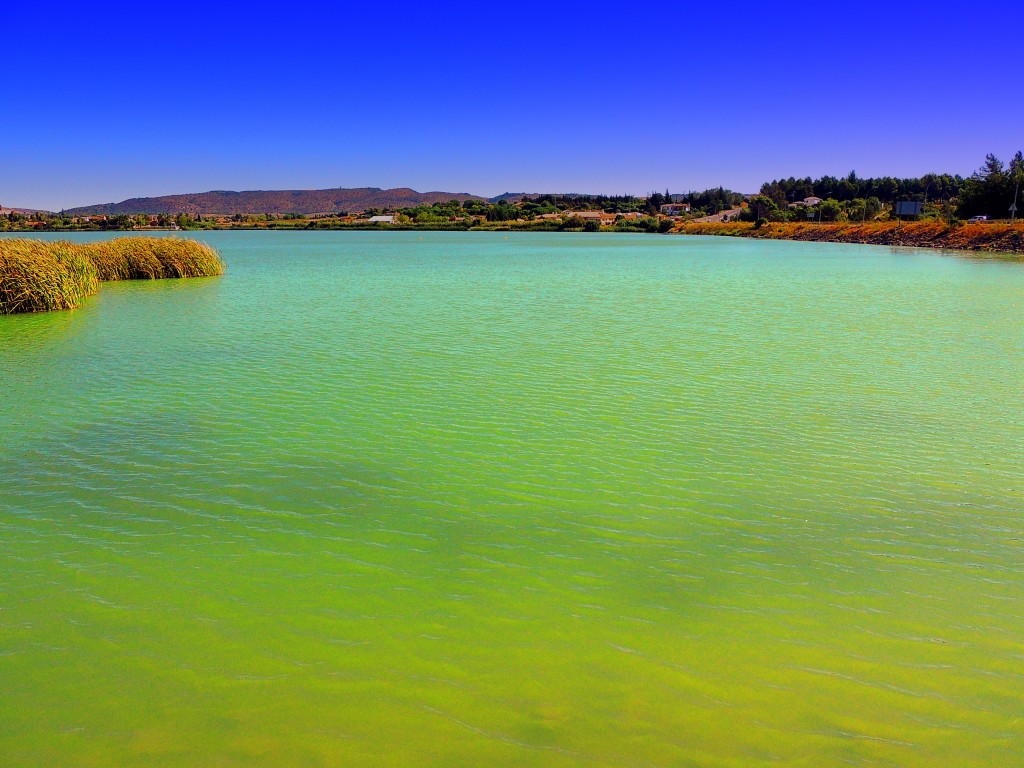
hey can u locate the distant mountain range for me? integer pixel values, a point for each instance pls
(5, 211)
(305, 201)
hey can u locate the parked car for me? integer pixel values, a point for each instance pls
(977, 219)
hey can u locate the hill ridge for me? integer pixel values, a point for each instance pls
(258, 201)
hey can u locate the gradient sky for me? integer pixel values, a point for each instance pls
(101, 105)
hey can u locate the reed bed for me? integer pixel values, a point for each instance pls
(153, 258)
(38, 276)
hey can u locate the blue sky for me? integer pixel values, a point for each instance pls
(101, 105)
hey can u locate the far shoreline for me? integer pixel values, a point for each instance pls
(989, 240)
(981, 240)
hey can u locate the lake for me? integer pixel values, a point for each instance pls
(509, 499)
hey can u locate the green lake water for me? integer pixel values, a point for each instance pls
(485, 499)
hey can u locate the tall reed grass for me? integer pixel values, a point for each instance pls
(40, 276)
(153, 258)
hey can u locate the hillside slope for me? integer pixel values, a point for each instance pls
(304, 201)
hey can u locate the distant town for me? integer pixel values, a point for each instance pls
(990, 194)
(656, 212)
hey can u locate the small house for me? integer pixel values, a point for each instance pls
(807, 202)
(675, 209)
(602, 218)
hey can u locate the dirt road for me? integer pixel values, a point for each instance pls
(723, 216)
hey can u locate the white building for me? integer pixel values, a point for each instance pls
(675, 209)
(807, 202)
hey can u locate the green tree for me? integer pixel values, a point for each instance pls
(830, 210)
(763, 207)
(775, 192)
(989, 191)
(1017, 177)
(503, 212)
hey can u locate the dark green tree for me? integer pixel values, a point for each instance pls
(830, 210)
(989, 191)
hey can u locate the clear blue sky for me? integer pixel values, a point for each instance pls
(100, 105)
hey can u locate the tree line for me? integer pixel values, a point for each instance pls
(993, 188)
(887, 189)
(989, 191)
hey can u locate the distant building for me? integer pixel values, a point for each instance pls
(382, 220)
(675, 209)
(604, 219)
(807, 202)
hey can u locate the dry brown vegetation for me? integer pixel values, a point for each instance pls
(153, 258)
(37, 276)
(997, 237)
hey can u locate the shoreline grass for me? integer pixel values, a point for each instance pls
(38, 276)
